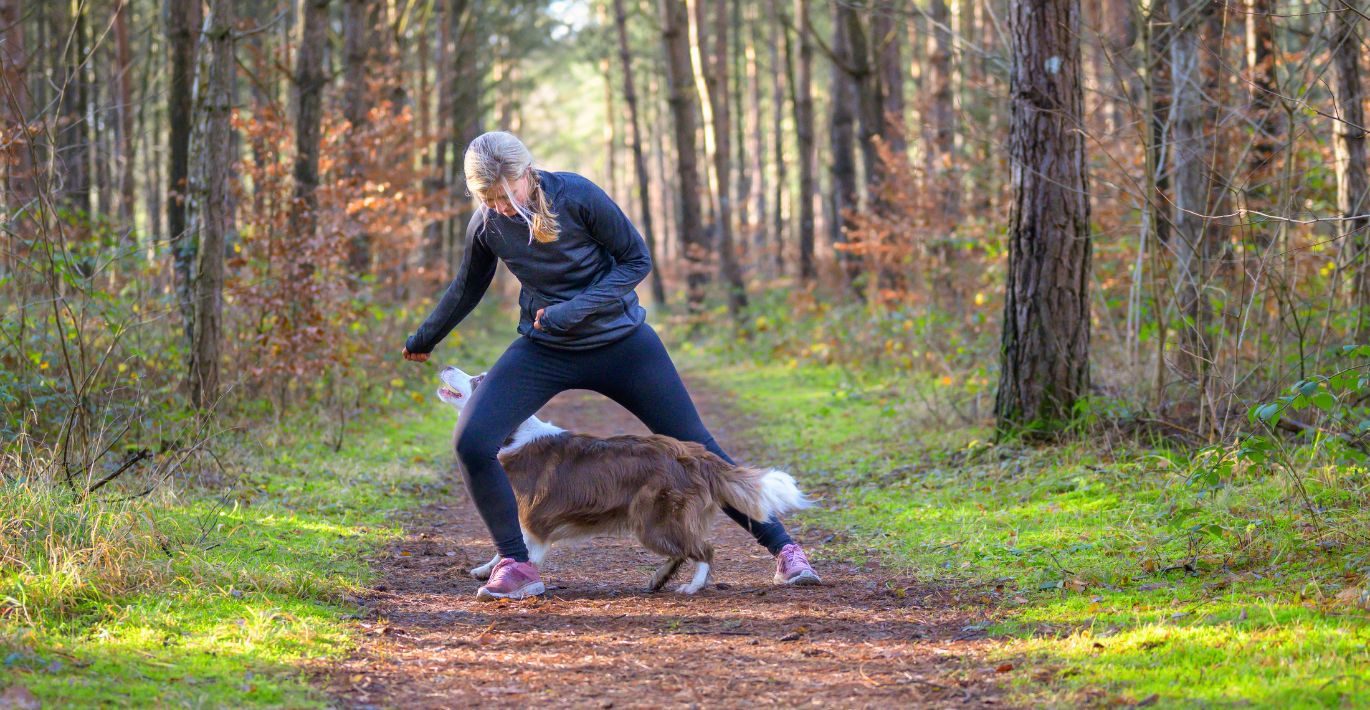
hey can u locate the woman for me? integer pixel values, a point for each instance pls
(578, 259)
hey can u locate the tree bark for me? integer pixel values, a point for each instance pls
(124, 109)
(211, 213)
(15, 103)
(183, 31)
(781, 74)
(73, 135)
(356, 50)
(942, 157)
(1190, 151)
(714, 66)
(639, 160)
(1349, 144)
(889, 64)
(309, 84)
(1260, 58)
(680, 84)
(842, 139)
(1045, 346)
(803, 123)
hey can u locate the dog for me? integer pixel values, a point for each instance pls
(664, 491)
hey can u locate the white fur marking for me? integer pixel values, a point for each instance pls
(700, 579)
(483, 572)
(530, 431)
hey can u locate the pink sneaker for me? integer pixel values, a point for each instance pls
(512, 580)
(792, 567)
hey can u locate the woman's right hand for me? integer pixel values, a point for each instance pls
(415, 357)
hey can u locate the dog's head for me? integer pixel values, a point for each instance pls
(457, 386)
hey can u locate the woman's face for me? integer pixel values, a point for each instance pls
(496, 199)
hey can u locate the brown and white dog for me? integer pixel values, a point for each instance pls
(664, 491)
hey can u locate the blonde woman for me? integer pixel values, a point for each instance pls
(578, 259)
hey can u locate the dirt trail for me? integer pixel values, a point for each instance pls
(599, 641)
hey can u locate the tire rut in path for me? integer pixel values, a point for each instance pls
(598, 640)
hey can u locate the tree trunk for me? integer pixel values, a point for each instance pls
(942, 163)
(73, 135)
(803, 123)
(1260, 59)
(14, 104)
(309, 83)
(356, 49)
(842, 140)
(124, 109)
(1190, 151)
(639, 160)
(211, 212)
(755, 127)
(868, 103)
(714, 66)
(680, 84)
(183, 31)
(782, 73)
(890, 74)
(1045, 346)
(1349, 142)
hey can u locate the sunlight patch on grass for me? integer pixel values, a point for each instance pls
(1226, 596)
(219, 596)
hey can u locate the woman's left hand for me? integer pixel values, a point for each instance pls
(537, 319)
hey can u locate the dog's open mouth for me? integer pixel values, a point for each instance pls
(447, 392)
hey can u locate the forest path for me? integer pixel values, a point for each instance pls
(598, 640)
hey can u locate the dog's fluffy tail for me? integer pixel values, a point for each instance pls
(759, 492)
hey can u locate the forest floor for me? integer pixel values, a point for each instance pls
(866, 638)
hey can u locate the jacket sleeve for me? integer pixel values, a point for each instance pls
(465, 291)
(606, 224)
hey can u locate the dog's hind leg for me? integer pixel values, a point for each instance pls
(483, 572)
(664, 573)
(537, 549)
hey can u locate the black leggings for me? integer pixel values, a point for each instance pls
(636, 372)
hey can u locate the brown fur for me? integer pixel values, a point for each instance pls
(666, 492)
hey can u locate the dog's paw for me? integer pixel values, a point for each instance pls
(686, 589)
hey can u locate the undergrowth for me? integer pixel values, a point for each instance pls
(1123, 568)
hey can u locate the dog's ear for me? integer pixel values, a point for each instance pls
(475, 381)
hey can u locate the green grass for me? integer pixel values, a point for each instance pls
(213, 600)
(228, 594)
(1113, 579)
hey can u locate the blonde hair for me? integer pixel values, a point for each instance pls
(492, 162)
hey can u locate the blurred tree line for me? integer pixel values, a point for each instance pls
(1156, 201)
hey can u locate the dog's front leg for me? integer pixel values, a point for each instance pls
(701, 578)
(483, 572)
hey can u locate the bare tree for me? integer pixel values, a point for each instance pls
(309, 83)
(1045, 347)
(1190, 153)
(714, 59)
(680, 82)
(211, 208)
(803, 123)
(1348, 130)
(639, 160)
(842, 137)
(356, 50)
(183, 30)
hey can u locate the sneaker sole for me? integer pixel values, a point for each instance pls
(528, 590)
(803, 579)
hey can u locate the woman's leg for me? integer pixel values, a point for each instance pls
(525, 378)
(643, 379)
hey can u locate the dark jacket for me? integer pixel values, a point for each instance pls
(584, 279)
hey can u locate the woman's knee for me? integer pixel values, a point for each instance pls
(475, 447)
